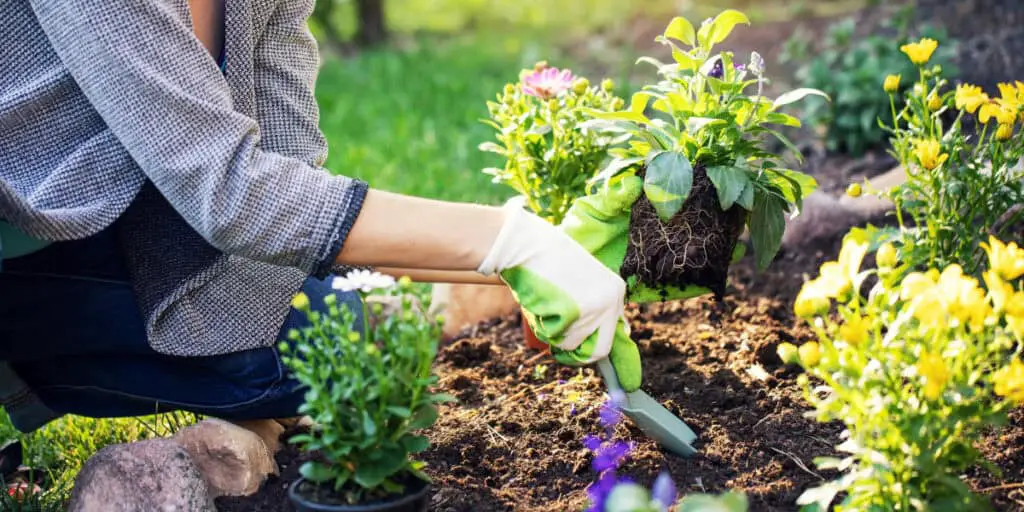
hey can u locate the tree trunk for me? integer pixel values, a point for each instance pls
(372, 28)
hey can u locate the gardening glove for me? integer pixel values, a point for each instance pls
(600, 223)
(570, 300)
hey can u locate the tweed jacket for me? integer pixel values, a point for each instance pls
(113, 115)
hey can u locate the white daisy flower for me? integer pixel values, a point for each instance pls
(362, 280)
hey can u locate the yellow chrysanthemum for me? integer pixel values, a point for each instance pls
(969, 97)
(929, 153)
(811, 301)
(933, 368)
(855, 330)
(1003, 114)
(934, 102)
(921, 51)
(1009, 381)
(1007, 260)
(891, 83)
(837, 278)
(300, 301)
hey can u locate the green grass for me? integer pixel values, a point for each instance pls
(409, 121)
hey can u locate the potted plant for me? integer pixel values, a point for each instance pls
(699, 139)
(548, 154)
(368, 396)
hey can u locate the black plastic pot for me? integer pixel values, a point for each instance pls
(415, 499)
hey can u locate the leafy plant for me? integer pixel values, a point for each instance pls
(708, 115)
(960, 188)
(915, 370)
(367, 389)
(548, 155)
(849, 70)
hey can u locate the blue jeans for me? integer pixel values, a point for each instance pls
(71, 329)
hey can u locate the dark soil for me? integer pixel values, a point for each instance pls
(693, 248)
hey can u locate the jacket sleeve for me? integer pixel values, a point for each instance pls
(162, 95)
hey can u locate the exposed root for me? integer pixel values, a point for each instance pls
(693, 248)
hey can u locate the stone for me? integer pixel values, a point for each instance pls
(465, 305)
(825, 216)
(269, 431)
(233, 460)
(155, 474)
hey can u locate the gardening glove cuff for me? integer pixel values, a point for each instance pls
(570, 300)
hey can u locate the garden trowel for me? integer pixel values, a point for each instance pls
(651, 417)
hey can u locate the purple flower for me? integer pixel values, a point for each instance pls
(598, 491)
(610, 455)
(547, 83)
(717, 71)
(572, 410)
(592, 442)
(610, 414)
(739, 67)
(664, 490)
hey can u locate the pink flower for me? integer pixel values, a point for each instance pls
(547, 83)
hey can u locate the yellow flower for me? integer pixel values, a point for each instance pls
(963, 298)
(788, 353)
(837, 277)
(1000, 291)
(1001, 113)
(855, 330)
(921, 51)
(811, 301)
(929, 153)
(1007, 260)
(886, 256)
(891, 83)
(810, 354)
(933, 368)
(969, 97)
(854, 190)
(915, 284)
(934, 102)
(1009, 381)
(300, 301)
(1004, 132)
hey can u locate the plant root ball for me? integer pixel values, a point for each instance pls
(694, 247)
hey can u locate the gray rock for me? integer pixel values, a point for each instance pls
(153, 475)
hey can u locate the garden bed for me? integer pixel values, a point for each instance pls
(513, 442)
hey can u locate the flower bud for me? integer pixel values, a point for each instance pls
(581, 86)
(1004, 132)
(404, 282)
(618, 104)
(510, 89)
(810, 354)
(553, 105)
(607, 85)
(788, 353)
(353, 336)
(934, 102)
(919, 90)
(886, 256)
(854, 190)
(330, 299)
(300, 301)
(540, 65)
(891, 83)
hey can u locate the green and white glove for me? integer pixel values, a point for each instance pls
(571, 300)
(600, 223)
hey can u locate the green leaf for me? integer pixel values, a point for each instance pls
(783, 119)
(746, 198)
(796, 95)
(668, 182)
(424, 417)
(440, 398)
(317, 472)
(684, 59)
(695, 124)
(729, 182)
(729, 502)
(368, 425)
(415, 444)
(681, 30)
(767, 223)
(388, 461)
(805, 183)
(639, 103)
(616, 116)
(720, 28)
(821, 496)
(401, 412)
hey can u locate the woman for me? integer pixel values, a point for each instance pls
(168, 152)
